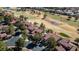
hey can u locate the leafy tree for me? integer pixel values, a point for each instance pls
(42, 26)
(11, 29)
(0, 9)
(35, 23)
(76, 18)
(69, 17)
(49, 31)
(9, 49)
(18, 23)
(22, 26)
(44, 17)
(24, 34)
(51, 44)
(77, 40)
(77, 29)
(37, 37)
(21, 17)
(7, 19)
(25, 18)
(20, 43)
(2, 46)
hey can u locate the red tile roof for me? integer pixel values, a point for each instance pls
(3, 35)
(46, 36)
(13, 21)
(60, 48)
(73, 48)
(65, 44)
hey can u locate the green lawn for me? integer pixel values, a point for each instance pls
(54, 16)
(76, 24)
(64, 35)
(23, 13)
(71, 22)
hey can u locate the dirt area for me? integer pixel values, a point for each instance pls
(72, 33)
(63, 27)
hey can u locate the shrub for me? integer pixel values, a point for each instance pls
(64, 35)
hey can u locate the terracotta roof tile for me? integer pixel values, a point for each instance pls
(60, 48)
